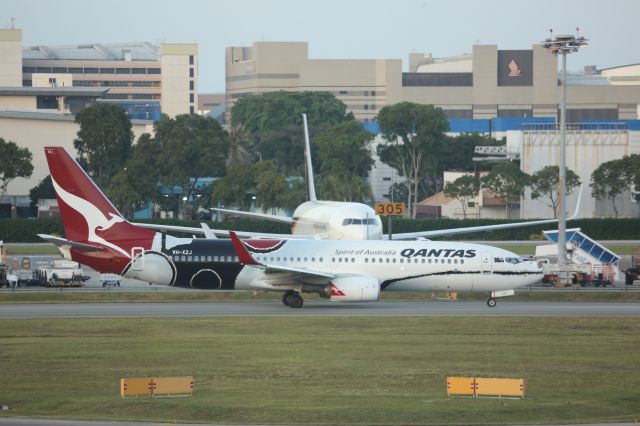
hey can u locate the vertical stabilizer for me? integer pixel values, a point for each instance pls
(87, 215)
(307, 156)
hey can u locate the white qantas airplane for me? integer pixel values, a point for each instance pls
(354, 271)
(335, 220)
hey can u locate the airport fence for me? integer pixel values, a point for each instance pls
(26, 230)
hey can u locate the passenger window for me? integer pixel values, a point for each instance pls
(373, 260)
(215, 258)
(320, 260)
(228, 258)
(353, 260)
(236, 259)
(401, 260)
(208, 258)
(449, 261)
(366, 260)
(305, 259)
(394, 260)
(339, 260)
(189, 258)
(333, 259)
(313, 259)
(461, 260)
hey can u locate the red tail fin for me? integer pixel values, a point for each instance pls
(87, 215)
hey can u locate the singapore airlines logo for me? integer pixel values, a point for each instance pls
(514, 69)
(96, 220)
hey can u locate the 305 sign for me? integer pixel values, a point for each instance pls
(389, 209)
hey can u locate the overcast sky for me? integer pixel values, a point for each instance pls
(340, 29)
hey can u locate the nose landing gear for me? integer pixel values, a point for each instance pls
(292, 299)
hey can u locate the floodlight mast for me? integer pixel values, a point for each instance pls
(563, 45)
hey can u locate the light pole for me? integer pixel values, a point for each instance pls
(563, 45)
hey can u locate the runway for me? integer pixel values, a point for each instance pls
(319, 309)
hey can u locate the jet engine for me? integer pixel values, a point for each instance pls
(152, 267)
(354, 289)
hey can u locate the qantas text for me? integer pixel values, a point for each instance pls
(437, 253)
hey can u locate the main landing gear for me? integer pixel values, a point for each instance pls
(491, 302)
(292, 299)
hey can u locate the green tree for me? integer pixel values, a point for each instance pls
(123, 193)
(344, 149)
(507, 181)
(15, 162)
(231, 190)
(104, 141)
(190, 147)
(270, 186)
(345, 188)
(241, 144)
(412, 132)
(143, 169)
(295, 195)
(279, 110)
(609, 180)
(462, 189)
(544, 185)
(42, 191)
(399, 193)
(284, 146)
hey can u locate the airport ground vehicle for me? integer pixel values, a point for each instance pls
(61, 273)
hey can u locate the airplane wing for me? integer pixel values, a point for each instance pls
(264, 216)
(214, 233)
(454, 231)
(302, 273)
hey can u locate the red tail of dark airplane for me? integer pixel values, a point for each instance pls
(90, 220)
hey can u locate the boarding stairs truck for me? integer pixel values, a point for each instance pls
(589, 263)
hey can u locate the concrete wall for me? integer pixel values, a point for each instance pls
(46, 130)
(24, 103)
(10, 58)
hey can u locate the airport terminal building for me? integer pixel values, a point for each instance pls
(42, 87)
(487, 83)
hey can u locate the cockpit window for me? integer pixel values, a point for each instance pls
(355, 221)
(513, 260)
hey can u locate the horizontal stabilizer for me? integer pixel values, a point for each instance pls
(64, 242)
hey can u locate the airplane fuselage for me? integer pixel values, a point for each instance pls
(336, 220)
(395, 265)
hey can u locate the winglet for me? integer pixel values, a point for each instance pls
(575, 213)
(242, 252)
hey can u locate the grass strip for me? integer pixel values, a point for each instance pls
(324, 370)
(106, 296)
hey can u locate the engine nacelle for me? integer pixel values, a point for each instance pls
(355, 289)
(153, 268)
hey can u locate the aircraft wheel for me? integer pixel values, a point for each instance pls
(491, 302)
(285, 298)
(295, 300)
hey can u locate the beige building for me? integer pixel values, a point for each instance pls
(35, 130)
(364, 85)
(10, 57)
(487, 83)
(144, 78)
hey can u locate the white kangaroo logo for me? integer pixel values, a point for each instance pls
(96, 220)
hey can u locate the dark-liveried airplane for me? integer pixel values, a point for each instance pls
(97, 235)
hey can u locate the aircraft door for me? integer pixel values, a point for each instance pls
(487, 263)
(138, 264)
